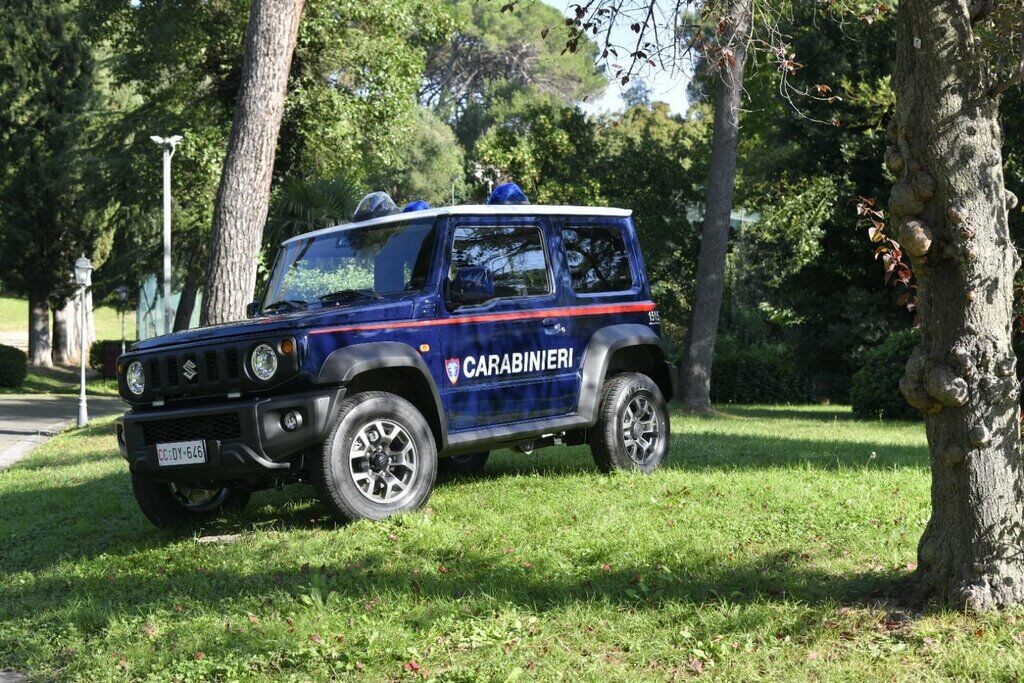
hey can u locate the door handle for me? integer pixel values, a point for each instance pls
(549, 322)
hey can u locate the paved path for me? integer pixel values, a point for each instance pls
(27, 420)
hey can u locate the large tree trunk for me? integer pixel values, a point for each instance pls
(39, 352)
(187, 301)
(63, 322)
(950, 206)
(695, 373)
(244, 192)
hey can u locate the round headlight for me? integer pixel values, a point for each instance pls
(135, 378)
(263, 362)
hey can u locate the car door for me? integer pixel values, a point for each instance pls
(510, 358)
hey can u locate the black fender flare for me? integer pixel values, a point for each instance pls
(603, 345)
(344, 364)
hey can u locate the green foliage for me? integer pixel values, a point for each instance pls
(763, 373)
(875, 389)
(51, 99)
(13, 366)
(429, 162)
(493, 47)
(305, 205)
(549, 148)
(351, 101)
(786, 237)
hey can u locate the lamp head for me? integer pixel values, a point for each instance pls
(83, 271)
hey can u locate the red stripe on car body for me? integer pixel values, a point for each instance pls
(599, 309)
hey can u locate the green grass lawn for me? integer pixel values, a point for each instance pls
(14, 318)
(763, 552)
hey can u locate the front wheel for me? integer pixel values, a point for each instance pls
(632, 429)
(170, 506)
(378, 460)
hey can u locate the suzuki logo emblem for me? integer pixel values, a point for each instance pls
(189, 370)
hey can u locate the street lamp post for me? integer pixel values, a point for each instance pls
(168, 143)
(122, 293)
(83, 277)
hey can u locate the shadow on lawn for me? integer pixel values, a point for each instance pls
(91, 601)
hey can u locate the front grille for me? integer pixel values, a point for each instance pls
(221, 426)
(231, 360)
(211, 366)
(172, 371)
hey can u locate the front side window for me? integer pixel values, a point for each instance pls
(598, 261)
(348, 265)
(514, 255)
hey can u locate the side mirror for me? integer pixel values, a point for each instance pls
(472, 285)
(252, 309)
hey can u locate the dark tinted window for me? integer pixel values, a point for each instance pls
(514, 255)
(597, 259)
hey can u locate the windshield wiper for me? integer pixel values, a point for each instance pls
(346, 294)
(285, 304)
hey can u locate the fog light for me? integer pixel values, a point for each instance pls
(291, 421)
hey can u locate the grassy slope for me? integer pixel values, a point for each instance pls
(14, 318)
(61, 380)
(759, 554)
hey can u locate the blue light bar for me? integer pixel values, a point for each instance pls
(418, 205)
(508, 193)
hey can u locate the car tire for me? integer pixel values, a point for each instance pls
(467, 464)
(616, 442)
(172, 506)
(379, 459)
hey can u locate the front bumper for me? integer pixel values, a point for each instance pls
(244, 438)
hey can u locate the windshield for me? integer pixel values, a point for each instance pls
(349, 265)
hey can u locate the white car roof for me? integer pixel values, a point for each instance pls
(474, 210)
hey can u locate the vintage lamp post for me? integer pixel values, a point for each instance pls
(168, 143)
(83, 277)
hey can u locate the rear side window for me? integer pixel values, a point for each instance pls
(597, 258)
(514, 255)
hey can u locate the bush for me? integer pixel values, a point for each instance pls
(875, 388)
(13, 366)
(767, 373)
(97, 350)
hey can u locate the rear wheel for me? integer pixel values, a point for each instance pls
(465, 464)
(379, 459)
(170, 506)
(632, 430)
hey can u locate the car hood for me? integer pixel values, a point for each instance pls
(277, 323)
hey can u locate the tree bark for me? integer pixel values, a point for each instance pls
(244, 192)
(39, 350)
(187, 301)
(62, 346)
(695, 372)
(950, 207)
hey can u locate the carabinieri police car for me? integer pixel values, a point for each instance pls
(398, 344)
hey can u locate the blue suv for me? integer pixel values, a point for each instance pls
(401, 344)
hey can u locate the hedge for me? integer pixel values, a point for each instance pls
(875, 388)
(13, 366)
(766, 373)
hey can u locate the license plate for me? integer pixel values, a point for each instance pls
(181, 453)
